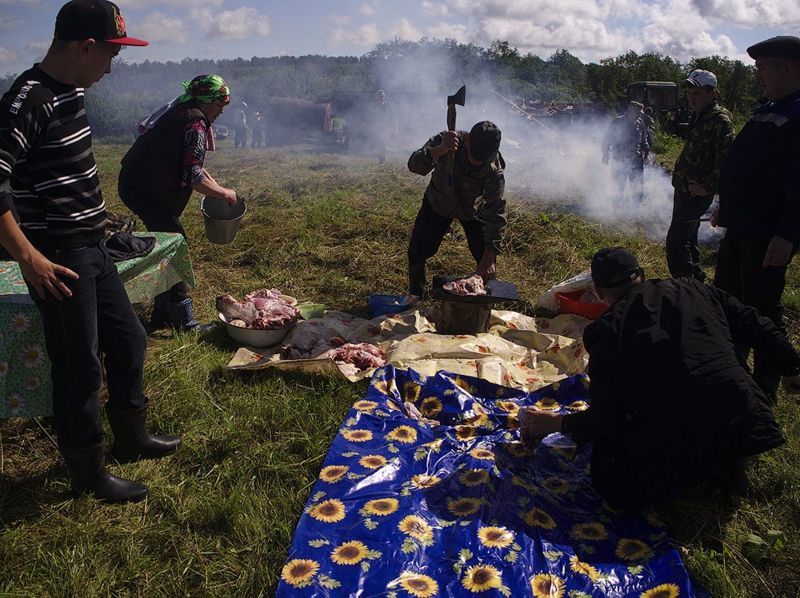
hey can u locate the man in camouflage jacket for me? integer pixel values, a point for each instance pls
(626, 141)
(696, 174)
(474, 196)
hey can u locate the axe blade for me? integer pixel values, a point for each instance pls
(458, 97)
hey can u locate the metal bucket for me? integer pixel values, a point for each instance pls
(221, 219)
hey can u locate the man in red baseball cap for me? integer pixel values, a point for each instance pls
(48, 173)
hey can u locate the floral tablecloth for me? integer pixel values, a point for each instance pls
(25, 389)
(455, 505)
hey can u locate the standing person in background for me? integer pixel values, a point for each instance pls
(649, 127)
(258, 130)
(474, 197)
(159, 173)
(47, 160)
(626, 142)
(759, 196)
(385, 125)
(696, 173)
(240, 128)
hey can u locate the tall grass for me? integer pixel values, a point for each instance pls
(221, 513)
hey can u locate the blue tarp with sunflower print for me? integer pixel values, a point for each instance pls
(405, 508)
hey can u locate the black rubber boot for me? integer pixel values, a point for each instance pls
(159, 318)
(416, 280)
(87, 468)
(181, 317)
(132, 441)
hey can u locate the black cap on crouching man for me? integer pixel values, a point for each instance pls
(781, 46)
(100, 20)
(484, 141)
(614, 267)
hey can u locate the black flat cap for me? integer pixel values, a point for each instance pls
(781, 46)
(613, 267)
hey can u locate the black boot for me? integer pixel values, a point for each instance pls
(159, 318)
(416, 280)
(132, 441)
(87, 468)
(181, 316)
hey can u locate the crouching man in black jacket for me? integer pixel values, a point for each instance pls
(671, 405)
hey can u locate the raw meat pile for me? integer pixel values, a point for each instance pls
(362, 355)
(466, 286)
(264, 309)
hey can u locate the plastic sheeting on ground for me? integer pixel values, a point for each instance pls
(517, 351)
(405, 508)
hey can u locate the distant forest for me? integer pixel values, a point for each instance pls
(132, 91)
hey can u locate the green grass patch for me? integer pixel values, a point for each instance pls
(219, 521)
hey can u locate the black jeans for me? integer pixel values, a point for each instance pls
(740, 272)
(683, 257)
(97, 318)
(156, 218)
(426, 237)
(430, 229)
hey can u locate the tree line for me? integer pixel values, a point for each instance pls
(132, 91)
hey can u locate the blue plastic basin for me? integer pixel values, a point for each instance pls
(380, 305)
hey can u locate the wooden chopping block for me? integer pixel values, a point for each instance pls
(458, 317)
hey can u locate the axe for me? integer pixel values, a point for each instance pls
(453, 100)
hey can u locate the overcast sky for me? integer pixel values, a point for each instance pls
(589, 29)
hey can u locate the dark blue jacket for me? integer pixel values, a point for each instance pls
(759, 185)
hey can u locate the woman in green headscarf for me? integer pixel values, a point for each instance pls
(161, 170)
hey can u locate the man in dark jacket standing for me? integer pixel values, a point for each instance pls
(474, 196)
(47, 160)
(759, 196)
(696, 174)
(671, 405)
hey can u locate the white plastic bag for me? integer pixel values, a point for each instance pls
(582, 281)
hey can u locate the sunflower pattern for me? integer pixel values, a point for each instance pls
(405, 509)
(25, 388)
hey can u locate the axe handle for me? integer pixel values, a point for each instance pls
(451, 126)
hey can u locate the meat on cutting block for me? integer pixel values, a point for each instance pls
(466, 286)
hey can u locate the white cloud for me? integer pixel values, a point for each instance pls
(594, 29)
(460, 33)
(339, 20)
(159, 27)
(179, 3)
(366, 35)
(433, 9)
(8, 56)
(232, 24)
(404, 30)
(752, 13)
(366, 10)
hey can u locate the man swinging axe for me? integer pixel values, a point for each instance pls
(467, 186)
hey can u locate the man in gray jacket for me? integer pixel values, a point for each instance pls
(473, 195)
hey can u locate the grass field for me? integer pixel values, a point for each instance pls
(221, 513)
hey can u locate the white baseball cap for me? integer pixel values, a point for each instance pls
(701, 78)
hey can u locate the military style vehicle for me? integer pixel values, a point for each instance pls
(662, 97)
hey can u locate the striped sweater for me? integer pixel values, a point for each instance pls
(47, 168)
